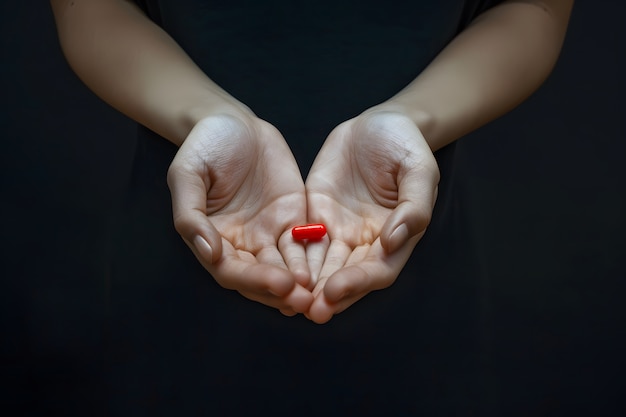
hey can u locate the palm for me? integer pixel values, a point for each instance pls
(372, 175)
(348, 190)
(239, 187)
(255, 193)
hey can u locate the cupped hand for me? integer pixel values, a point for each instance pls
(236, 193)
(374, 185)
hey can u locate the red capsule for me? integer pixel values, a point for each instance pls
(309, 231)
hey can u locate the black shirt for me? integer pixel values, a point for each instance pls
(179, 344)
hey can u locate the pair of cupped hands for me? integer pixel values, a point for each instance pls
(237, 192)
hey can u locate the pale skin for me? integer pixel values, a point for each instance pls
(373, 183)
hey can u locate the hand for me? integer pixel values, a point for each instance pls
(374, 185)
(236, 194)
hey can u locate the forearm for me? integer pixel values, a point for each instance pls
(136, 67)
(486, 71)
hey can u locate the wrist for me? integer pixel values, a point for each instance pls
(424, 120)
(198, 110)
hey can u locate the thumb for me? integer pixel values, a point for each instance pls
(417, 193)
(189, 194)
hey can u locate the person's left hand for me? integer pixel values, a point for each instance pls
(374, 185)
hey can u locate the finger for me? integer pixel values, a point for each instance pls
(298, 300)
(323, 308)
(335, 258)
(377, 270)
(315, 255)
(295, 258)
(287, 312)
(417, 193)
(271, 256)
(321, 311)
(357, 255)
(263, 278)
(350, 285)
(243, 272)
(189, 193)
(361, 275)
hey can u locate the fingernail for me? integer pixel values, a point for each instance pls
(202, 246)
(398, 237)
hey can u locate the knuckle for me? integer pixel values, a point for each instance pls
(183, 224)
(423, 218)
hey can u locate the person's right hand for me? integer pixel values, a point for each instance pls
(236, 193)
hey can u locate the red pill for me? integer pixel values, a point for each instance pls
(309, 231)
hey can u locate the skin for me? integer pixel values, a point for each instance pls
(487, 70)
(373, 183)
(236, 215)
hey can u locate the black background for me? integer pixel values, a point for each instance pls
(549, 200)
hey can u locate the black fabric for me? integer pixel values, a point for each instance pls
(308, 66)
(181, 345)
(542, 186)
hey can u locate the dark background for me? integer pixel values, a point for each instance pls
(549, 200)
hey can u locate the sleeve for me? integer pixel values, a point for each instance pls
(473, 8)
(151, 9)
